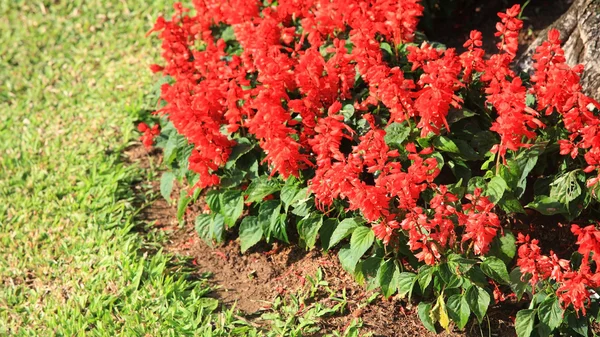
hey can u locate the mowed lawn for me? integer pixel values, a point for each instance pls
(72, 75)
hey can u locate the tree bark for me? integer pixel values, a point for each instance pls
(580, 35)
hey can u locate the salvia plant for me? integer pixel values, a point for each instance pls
(330, 123)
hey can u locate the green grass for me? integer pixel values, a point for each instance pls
(71, 261)
(72, 77)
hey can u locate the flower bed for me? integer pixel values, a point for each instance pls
(334, 122)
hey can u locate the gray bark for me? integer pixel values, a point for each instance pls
(580, 35)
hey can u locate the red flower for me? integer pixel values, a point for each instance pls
(588, 239)
(437, 86)
(472, 59)
(481, 224)
(385, 230)
(329, 134)
(516, 122)
(508, 30)
(148, 134)
(557, 88)
(155, 68)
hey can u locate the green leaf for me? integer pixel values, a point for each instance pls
(526, 164)
(210, 227)
(329, 225)
(550, 314)
(478, 300)
(445, 144)
(386, 46)
(232, 178)
(424, 311)
(510, 173)
(458, 310)
(524, 322)
(510, 204)
(566, 188)
(279, 228)
(218, 228)
(459, 264)
(396, 134)
(213, 200)
(348, 259)
(308, 229)
(169, 152)
(303, 207)
(495, 189)
(424, 142)
(476, 182)
(362, 239)
(166, 185)
(406, 283)
(496, 269)
(248, 164)
(343, 229)
(269, 216)
(504, 247)
(291, 193)
(455, 115)
(466, 151)
(424, 276)
(460, 170)
(251, 232)
(547, 205)
(261, 187)
(232, 206)
(530, 100)
(347, 111)
(184, 200)
(439, 158)
(389, 276)
(578, 324)
(517, 285)
(450, 279)
(538, 298)
(508, 245)
(208, 304)
(368, 270)
(228, 34)
(183, 155)
(477, 277)
(483, 141)
(243, 146)
(203, 227)
(268, 212)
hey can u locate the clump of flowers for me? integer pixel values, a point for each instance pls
(333, 110)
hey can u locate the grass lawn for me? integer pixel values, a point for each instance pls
(71, 262)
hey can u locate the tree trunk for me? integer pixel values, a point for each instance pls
(580, 35)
